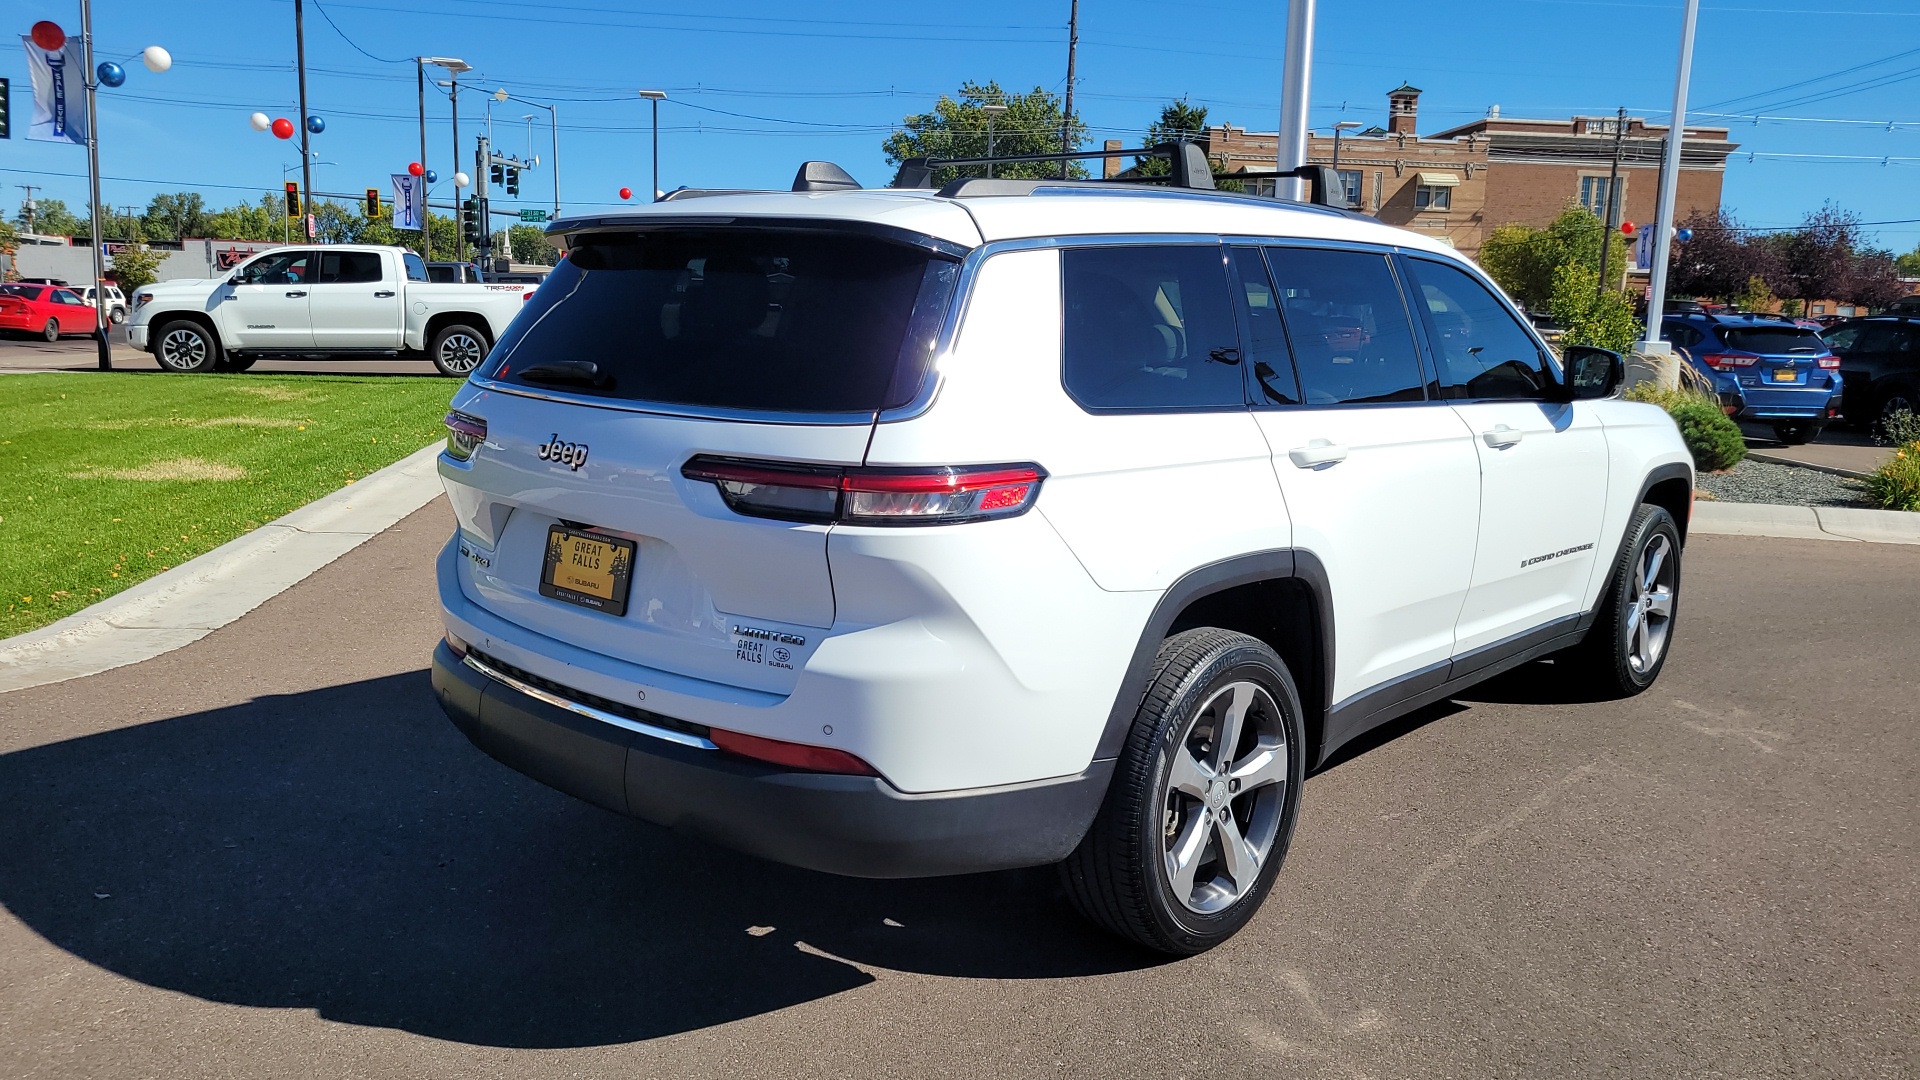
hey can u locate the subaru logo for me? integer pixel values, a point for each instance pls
(572, 455)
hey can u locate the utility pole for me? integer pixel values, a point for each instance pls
(1296, 80)
(93, 176)
(483, 230)
(1669, 185)
(306, 156)
(1613, 207)
(993, 113)
(29, 207)
(426, 230)
(1066, 118)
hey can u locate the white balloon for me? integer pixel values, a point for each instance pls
(156, 58)
(461, 179)
(260, 121)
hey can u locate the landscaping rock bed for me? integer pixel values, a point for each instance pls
(1757, 481)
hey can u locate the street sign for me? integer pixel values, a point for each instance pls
(533, 215)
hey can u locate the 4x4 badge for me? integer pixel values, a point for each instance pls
(569, 454)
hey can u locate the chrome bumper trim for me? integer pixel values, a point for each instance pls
(587, 711)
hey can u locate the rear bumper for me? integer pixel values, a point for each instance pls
(853, 825)
(1813, 404)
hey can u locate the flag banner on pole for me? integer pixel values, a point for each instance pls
(59, 81)
(409, 202)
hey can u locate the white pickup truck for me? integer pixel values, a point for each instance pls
(326, 301)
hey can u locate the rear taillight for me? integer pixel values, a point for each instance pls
(1728, 361)
(1831, 363)
(870, 496)
(464, 435)
(792, 755)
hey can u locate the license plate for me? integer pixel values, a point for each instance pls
(587, 568)
(1785, 375)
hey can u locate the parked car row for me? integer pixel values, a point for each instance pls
(45, 310)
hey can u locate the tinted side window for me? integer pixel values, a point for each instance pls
(1267, 346)
(1841, 338)
(1480, 348)
(349, 267)
(1150, 327)
(279, 268)
(1351, 339)
(416, 266)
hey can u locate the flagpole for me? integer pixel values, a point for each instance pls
(100, 321)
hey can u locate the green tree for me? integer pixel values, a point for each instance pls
(136, 266)
(1524, 259)
(1178, 120)
(175, 217)
(1909, 264)
(530, 245)
(957, 128)
(1756, 296)
(51, 216)
(1591, 315)
(264, 220)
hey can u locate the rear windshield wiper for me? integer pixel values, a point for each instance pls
(568, 373)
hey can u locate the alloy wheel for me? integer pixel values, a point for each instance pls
(461, 353)
(1650, 610)
(183, 350)
(1225, 797)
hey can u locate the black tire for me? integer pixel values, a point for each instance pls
(1798, 434)
(1122, 875)
(117, 316)
(234, 365)
(1895, 400)
(457, 349)
(51, 331)
(1613, 661)
(185, 346)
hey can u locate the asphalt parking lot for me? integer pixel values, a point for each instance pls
(26, 352)
(268, 854)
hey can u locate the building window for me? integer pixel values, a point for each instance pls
(1350, 184)
(1432, 197)
(1594, 193)
(1843, 309)
(1819, 309)
(1602, 127)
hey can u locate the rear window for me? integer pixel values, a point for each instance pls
(766, 320)
(25, 292)
(1773, 339)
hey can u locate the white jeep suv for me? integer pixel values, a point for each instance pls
(909, 532)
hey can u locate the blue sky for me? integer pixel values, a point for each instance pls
(756, 87)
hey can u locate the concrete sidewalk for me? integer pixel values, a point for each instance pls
(1805, 522)
(1839, 458)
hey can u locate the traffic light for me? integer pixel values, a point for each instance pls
(513, 180)
(373, 202)
(5, 123)
(498, 175)
(473, 220)
(293, 199)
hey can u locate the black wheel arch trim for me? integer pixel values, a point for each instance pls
(1661, 474)
(1276, 565)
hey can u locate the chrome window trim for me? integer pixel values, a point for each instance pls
(587, 711)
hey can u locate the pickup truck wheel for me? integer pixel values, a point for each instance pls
(185, 346)
(1203, 800)
(457, 349)
(51, 331)
(1628, 644)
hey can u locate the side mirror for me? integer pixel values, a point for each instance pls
(1592, 372)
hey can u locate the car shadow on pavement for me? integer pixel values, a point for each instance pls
(347, 851)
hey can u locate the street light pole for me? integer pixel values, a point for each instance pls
(93, 178)
(420, 77)
(306, 169)
(655, 96)
(1296, 80)
(454, 67)
(1669, 184)
(993, 112)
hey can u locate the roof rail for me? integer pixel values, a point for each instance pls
(1191, 169)
(823, 176)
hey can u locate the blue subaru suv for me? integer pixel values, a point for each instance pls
(1767, 370)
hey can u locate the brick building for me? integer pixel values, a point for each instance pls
(1460, 184)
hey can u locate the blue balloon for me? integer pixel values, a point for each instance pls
(1686, 235)
(432, 177)
(316, 125)
(110, 73)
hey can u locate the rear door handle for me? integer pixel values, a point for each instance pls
(296, 292)
(1502, 435)
(384, 292)
(1317, 452)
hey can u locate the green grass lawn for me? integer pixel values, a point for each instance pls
(109, 478)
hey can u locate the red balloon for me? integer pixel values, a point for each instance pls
(1626, 228)
(416, 169)
(283, 128)
(626, 193)
(49, 36)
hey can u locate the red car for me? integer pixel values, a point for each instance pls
(47, 310)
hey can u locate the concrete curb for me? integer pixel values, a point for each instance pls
(198, 597)
(1832, 470)
(1805, 522)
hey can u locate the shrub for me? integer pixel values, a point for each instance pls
(1589, 314)
(1896, 485)
(1900, 429)
(1712, 438)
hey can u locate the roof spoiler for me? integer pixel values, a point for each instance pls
(1191, 169)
